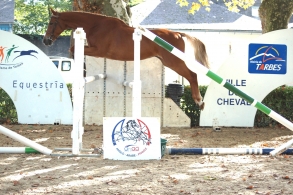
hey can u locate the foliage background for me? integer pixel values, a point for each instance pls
(279, 100)
(32, 17)
(8, 112)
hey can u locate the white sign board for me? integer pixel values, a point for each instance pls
(127, 138)
(257, 68)
(33, 82)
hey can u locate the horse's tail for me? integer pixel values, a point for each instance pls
(199, 50)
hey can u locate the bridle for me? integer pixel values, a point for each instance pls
(54, 27)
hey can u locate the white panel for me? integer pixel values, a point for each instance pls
(94, 66)
(115, 78)
(257, 86)
(173, 115)
(93, 110)
(152, 106)
(116, 104)
(33, 82)
(151, 77)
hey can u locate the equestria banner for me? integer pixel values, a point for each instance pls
(255, 68)
(33, 82)
(131, 138)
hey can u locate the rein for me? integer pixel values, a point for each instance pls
(54, 27)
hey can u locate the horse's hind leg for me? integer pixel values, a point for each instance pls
(196, 96)
(179, 66)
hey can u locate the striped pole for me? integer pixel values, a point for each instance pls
(17, 150)
(205, 151)
(94, 78)
(196, 67)
(25, 141)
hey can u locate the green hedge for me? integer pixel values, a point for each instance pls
(8, 112)
(189, 107)
(280, 100)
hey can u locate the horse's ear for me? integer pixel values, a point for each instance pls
(53, 12)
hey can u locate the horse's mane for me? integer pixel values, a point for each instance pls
(90, 13)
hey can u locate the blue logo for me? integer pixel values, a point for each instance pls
(267, 58)
(9, 54)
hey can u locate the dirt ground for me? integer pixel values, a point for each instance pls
(173, 174)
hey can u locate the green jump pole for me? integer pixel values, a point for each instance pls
(196, 67)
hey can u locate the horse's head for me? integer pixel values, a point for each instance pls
(55, 28)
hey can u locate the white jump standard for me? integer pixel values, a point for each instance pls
(136, 83)
(78, 89)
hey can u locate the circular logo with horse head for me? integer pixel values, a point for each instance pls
(131, 138)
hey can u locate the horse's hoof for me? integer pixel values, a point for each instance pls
(201, 106)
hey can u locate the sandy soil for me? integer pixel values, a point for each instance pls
(173, 174)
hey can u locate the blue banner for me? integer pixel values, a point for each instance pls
(267, 58)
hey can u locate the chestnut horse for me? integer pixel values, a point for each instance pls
(111, 38)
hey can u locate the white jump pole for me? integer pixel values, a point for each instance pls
(17, 150)
(25, 141)
(136, 84)
(78, 91)
(94, 78)
(128, 84)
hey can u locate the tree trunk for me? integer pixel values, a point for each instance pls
(115, 8)
(275, 14)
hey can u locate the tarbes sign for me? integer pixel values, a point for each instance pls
(267, 59)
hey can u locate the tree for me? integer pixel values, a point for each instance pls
(275, 14)
(114, 8)
(32, 17)
(232, 5)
